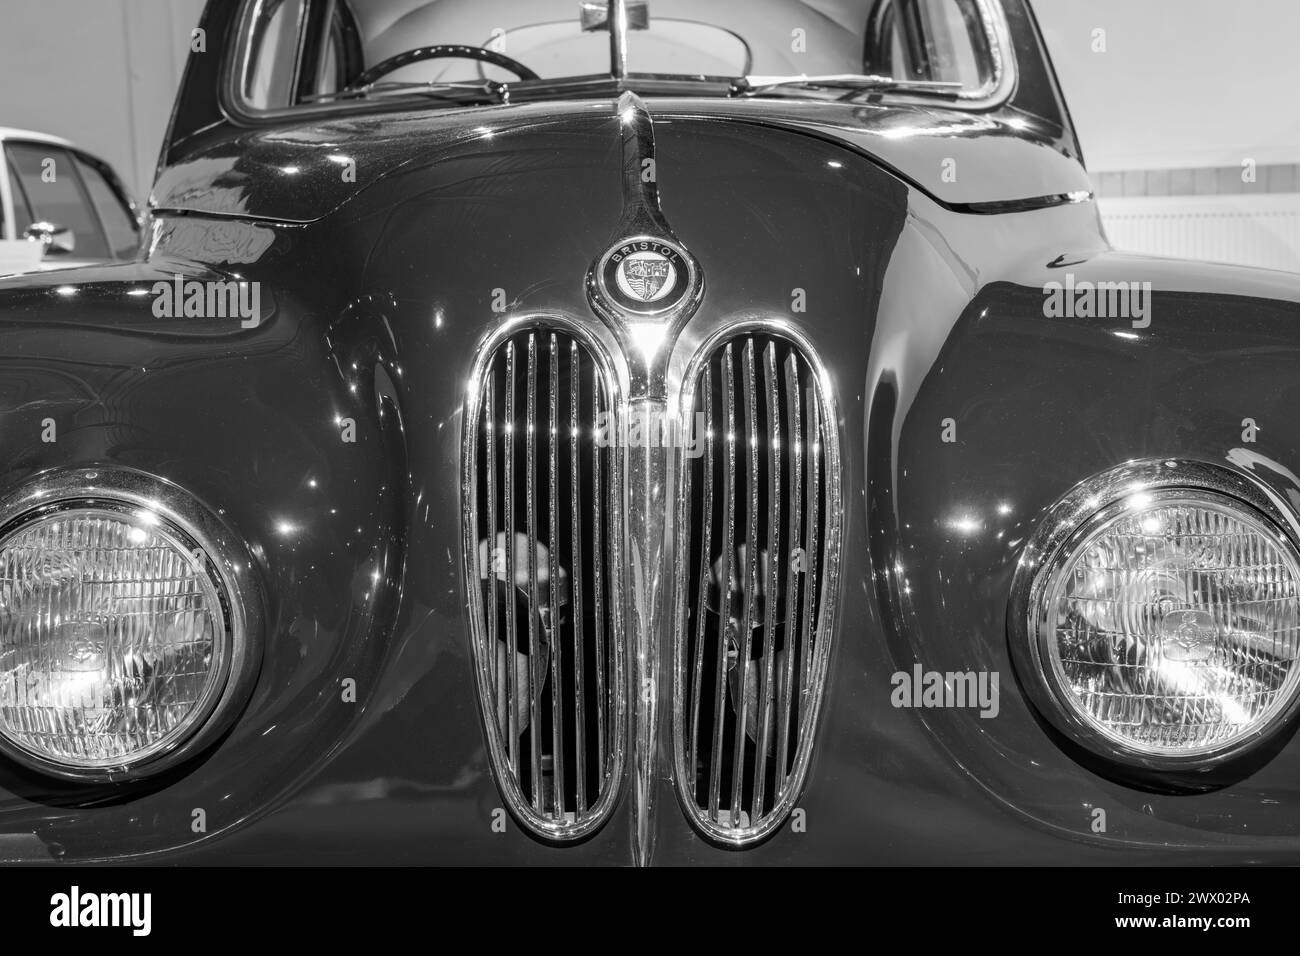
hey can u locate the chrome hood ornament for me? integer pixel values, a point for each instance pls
(645, 287)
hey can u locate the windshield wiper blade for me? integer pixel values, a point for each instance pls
(852, 82)
(468, 91)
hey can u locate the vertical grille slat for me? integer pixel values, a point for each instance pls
(575, 561)
(598, 554)
(697, 672)
(496, 665)
(534, 643)
(553, 579)
(755, 584)
(748, 588)
(813, 462)
(724, 580)
(770, 583)
(543, 520)
(795, 417)
(508, 570)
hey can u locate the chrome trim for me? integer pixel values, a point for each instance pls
(617, 18)
(1068, 522)
(229, 566)
(8, 220)
(1005, 73)
(646, 342)
(239, 61)
(649, 524)
(238, 57)
(611, 739)
(594, 15)
(816, 666)
(646, 338)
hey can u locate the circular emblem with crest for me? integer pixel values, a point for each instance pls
(648, 276)
(645, 276)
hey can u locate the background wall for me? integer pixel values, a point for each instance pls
(1187, 116)
(103, 73)
(1182, 83)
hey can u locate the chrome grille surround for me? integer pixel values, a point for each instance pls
(767, 365)
(565, 605)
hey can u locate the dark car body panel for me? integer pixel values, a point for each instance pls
(375, 298)
(295, 174)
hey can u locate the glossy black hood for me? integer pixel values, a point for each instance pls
(303, 173)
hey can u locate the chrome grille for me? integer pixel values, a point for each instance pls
(757, 570)
(545, 543)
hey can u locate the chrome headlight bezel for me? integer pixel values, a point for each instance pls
(1068, 525)
(228, 565)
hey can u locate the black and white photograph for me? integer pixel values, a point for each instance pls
(712, 435)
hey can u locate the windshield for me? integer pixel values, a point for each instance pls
(315, 51)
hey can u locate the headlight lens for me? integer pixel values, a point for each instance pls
(114, 643)
(1169, 624)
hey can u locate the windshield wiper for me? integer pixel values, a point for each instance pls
(854, 83)
(490, 91)
(478, 91)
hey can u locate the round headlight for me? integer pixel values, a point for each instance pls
(1165, 626)
(116, 637)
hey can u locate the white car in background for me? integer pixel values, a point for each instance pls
(60, 206)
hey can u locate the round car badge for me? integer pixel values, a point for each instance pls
(646, 276)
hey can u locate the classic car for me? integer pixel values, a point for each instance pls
(71, 204)
(643, 433)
